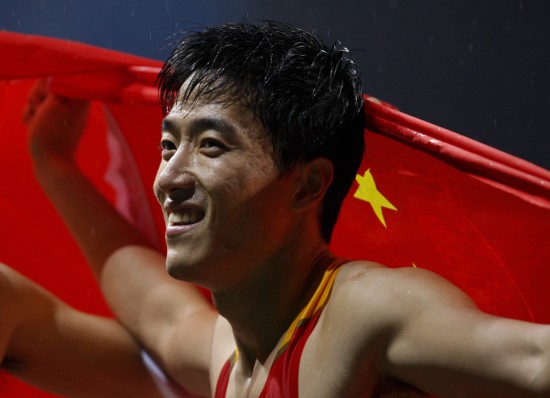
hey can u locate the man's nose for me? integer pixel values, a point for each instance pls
(175, 176)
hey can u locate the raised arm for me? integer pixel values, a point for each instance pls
(436, 339)
(132, 275)
(56, 348)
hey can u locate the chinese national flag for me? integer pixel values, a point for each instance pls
(430, 198)
(424, 196)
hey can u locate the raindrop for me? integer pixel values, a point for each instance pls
(521, 5)
(470, 46)
(474, 23)
(380, 69)
(432, 39)
(133, 13)
(495, 121)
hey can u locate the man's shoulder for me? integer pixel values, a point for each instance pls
(357, 323)
(370, 295)
(359, 280)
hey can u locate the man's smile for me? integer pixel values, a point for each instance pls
(185, 216)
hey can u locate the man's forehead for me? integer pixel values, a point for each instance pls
(219, 114)
(209, 91)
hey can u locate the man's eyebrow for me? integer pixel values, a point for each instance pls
(212, 123)
(201, 124)
(168, 125)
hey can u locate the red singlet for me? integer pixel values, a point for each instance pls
(282, 380)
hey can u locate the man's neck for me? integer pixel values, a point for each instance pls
(261, 310)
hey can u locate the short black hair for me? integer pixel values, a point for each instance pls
(307, 95)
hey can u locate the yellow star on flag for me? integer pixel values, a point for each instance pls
(368, 192)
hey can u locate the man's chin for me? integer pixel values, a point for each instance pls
(177, 270)
(187, 271)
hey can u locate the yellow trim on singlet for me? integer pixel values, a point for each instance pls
(315, 304)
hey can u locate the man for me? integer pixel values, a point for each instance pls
(262, 140)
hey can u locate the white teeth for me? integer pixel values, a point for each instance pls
(174, 218)
(184, 216)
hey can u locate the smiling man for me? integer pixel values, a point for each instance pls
(261, 142)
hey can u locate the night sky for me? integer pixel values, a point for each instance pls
(480, 68)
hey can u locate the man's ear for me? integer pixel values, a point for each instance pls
(315, 179)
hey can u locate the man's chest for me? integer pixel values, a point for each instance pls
(307, 371)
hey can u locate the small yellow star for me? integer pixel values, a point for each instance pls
(368, 192)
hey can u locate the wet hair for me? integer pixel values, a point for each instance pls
(307, 95)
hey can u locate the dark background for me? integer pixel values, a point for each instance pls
(477, 67)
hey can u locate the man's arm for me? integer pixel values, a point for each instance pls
(56, 348)
(162, 313)
(432, 336)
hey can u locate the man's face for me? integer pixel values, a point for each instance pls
(224, 204)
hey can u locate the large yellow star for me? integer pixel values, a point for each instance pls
(368, 192)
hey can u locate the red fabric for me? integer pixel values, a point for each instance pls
(283, 375)
(223, 380)
(282, 380)
(475, 215)
(33, 240)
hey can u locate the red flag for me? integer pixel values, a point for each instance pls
(118, 152)
(431, 198)
(424, 196)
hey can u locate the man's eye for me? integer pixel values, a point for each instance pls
(166, 145)
(211, 147)
(210, 143)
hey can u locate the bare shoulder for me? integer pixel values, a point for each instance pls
(372, 286)
(363, 313)
(388, 320)
(371, 302)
